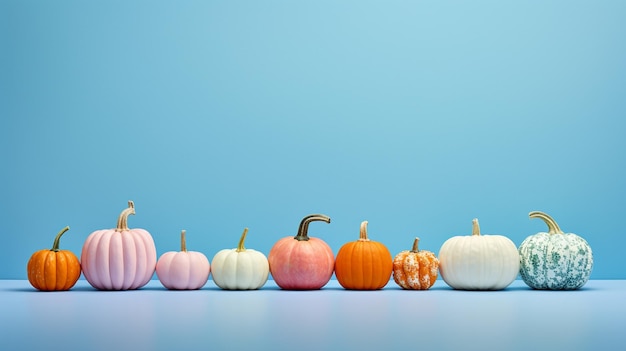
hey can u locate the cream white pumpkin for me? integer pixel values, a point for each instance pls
(240, 268)
(479, 262)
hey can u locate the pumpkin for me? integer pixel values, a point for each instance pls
(302, 262)
(363, 264)
(478, 262)
(240, 268)
(554, 260)
(119, 258)
(183, 270)
(415, 269)
(54, 269)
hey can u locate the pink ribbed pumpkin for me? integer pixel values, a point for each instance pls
(183, 270)
(120, 258)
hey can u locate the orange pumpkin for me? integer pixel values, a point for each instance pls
(54, 269)
(416, 269)
(363, 264)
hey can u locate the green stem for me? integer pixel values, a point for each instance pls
(122, 220)
(415, 247)
(304, 225)
(240, 246)
(363, 232)
(553, 228)
(183, 241)
(475, 227)
(55, 245)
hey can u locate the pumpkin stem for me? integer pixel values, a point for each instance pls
(304, 225)
(122, 220)
(415, 247)
(183, 241)
(240, 246)
(363, 232)
(553, 228)
(475, 227)
(55, 245)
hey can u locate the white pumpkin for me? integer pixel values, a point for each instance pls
(240, 268)
(478, 262)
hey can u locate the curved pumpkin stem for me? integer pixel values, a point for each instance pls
(553, 228)
(304, 225)
(55, 245)
(122, 220)
(240, 246)
(363, 232)
(475, 227)
(183, 241)
(415, 248)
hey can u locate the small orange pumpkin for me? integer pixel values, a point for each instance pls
(54, 269)
(363, 264)
(416, 269)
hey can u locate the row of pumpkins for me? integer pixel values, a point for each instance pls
(123, 259)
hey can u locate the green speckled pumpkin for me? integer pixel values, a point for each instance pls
(554, 260)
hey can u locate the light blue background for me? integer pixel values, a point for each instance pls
(218, 115)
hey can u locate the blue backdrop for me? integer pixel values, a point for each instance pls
(218, 115)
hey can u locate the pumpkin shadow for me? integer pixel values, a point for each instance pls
(570, 291)
(145, 288)
(33, 290)
(487, 291)
(275, 288)
(26, 290)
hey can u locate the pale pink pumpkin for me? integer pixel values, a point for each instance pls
(301, 262)
(120, 258)
(183, 270)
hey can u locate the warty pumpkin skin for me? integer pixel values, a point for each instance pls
(415, 269)
(54, 269)
(183, 270)
(478, 262)
(119, 258)
(363, 264)
(302, 262)
(555, 260)
(240, 268)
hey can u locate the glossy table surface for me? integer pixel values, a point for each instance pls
(153, 318)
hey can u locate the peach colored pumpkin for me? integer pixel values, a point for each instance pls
(302, 262)
(183, 270)
(119, 258)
